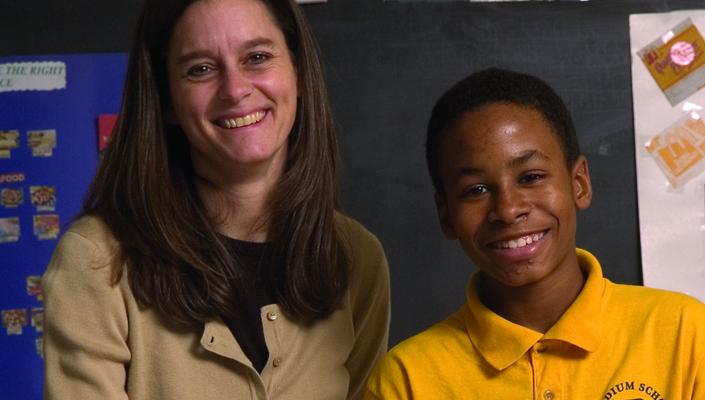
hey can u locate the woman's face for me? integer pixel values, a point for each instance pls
(233, 86)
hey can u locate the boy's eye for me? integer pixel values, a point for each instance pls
(531, 177)
(475, 190)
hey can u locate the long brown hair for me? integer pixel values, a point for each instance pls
(145, 191)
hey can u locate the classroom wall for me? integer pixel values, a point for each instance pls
(386, 63)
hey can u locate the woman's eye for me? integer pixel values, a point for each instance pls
(199, 70)
(258, 58)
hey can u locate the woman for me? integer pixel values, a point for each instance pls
(210, 261)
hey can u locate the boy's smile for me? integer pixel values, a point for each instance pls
(509, 197)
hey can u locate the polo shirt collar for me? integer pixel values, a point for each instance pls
(581, 324)
(501, 342)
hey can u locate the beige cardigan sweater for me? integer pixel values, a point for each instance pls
(99, 344)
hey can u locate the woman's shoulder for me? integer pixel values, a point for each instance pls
(91, 227)
(88, 243)
(355, 234)
(368, 263)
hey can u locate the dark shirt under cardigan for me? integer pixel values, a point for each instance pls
(246, 326)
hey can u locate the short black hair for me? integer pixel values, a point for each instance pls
(495, 85)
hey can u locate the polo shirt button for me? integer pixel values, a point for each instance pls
(272, 316)
(276, 362)
(541, 349)
(548, 395)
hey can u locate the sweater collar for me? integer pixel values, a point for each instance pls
(502, 342)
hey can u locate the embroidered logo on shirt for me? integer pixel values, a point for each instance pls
(633, 390)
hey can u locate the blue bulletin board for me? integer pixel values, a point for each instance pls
(49, 109)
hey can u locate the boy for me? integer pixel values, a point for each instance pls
(540, 321)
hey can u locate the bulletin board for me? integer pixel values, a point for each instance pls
(668, 74)
(49, 111)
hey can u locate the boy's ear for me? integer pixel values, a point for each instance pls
(582, 187)
(443, 217)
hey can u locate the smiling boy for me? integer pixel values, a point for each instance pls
(540, 321)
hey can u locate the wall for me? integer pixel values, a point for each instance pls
(386, 63)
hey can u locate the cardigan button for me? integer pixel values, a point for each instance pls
(276, 362)
(272, 316)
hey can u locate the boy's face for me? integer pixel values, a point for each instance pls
(508, 196)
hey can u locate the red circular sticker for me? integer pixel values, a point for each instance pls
(682, 53)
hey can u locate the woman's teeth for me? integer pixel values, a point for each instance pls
(239, 122)
(520, 242)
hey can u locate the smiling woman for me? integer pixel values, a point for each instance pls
(211, 260)
(233, 89)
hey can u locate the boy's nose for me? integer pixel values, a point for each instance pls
(509, 206)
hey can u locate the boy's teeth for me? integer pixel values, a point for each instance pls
(239, 122)
(520, 242)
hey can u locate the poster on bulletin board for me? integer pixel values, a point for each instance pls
(51, 107)
(668, 84)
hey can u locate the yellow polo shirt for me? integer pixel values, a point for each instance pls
(615, 342)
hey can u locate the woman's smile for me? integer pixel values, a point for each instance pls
(239, 122)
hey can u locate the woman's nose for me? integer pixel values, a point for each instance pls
(234, 85)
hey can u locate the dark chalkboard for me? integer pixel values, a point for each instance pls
(387, 62)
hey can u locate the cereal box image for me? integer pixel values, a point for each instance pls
(14, 320)
(106, 124)
(38, 318)
(9, 229)
(8, 140)
(42, 142)
(43, 197)
(34, 286)
(11, 197)
(676, 61)
(46, 226)
(680, 149)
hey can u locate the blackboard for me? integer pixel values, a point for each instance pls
(386, 64)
